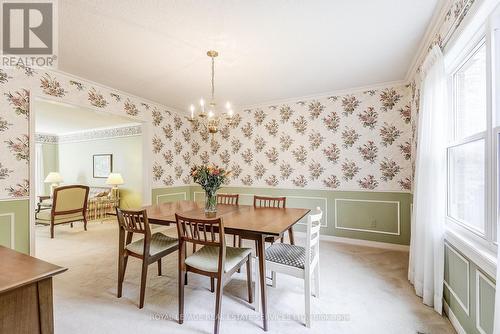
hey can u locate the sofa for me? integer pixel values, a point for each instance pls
(101, 200)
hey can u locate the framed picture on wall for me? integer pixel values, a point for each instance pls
(102, 165)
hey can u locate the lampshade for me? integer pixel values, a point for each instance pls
(53, 177)
(114, 179)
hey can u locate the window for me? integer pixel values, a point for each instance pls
(467, 150)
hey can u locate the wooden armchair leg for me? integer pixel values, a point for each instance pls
(122, 266)
(159, 267)
(144, 275)
(52, 230)
(85, 224)
(249, 278)
(218, 301)
(71, 225)
(181, 295)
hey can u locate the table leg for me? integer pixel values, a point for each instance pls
(262, 274)
(290, 235)
(256, 300)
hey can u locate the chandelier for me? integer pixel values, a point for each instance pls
(208, 116)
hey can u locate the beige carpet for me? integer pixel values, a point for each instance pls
(363, 290)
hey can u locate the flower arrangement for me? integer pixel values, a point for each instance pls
(210, 178)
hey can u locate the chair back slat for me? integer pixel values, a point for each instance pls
(228, 199)
(134, 221)
(208, 232)
(312, 235)
(269, 202)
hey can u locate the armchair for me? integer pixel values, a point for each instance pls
(69, 205)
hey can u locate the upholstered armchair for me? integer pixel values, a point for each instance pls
(69, 204)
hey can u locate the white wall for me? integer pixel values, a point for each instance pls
(75, 164)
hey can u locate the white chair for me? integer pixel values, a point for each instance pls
(299, 261)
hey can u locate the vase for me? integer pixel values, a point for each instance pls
(210, 202)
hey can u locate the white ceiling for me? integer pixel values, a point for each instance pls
(61, 118)
(269, 50)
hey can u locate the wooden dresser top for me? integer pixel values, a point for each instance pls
(18, 269)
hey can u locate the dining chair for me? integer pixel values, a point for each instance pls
(150, 248)
(229, 199)
(273, 202)
(226, 199)
(214, 259)
(297, 261)
(69, 205)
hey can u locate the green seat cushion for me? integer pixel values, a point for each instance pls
(44, 217)
(159, 243)
(207, 258)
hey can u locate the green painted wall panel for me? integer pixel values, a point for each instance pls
(454, 272)
(163, 195)
(376, 216)
(486, 305)
(386, 216)
(6, 228)
(19, 209)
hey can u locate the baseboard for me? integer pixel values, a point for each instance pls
(453, 319)
(360, 242)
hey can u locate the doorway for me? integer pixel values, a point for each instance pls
(79, 146)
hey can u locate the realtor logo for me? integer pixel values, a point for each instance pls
(29, 28)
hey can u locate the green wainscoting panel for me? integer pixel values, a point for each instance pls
(468, 280)
(172, 194)
(486, 302)
(368, 215)
(391, 211)
(7, 229)
(15, 225)
(456, 275)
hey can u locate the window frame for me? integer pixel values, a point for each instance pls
(487, 239)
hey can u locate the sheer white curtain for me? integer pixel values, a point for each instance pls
(495, 28)
(39, 172)
(427, 227)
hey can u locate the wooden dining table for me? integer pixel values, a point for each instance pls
(247, 221)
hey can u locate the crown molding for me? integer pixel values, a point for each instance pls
(120, 92)
(87, 135)
(430, 33)
(345, 91)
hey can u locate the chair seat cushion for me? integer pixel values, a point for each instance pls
(159, 243)
(207, 258)
(44, 217)
(288, 255)
(46, 203)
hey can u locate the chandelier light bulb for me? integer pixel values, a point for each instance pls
(192, 111)
(210, 114)
(228, 105)
(230, 112)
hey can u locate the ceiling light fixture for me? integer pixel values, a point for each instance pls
(209, 116)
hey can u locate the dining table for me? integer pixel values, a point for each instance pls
(246, 221)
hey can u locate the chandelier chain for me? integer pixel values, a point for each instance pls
(213, 76)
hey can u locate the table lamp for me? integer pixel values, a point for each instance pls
(114, 179)
(54, 178)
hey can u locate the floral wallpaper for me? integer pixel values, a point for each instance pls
(15, 87)
(359, 141)
(175, 147)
